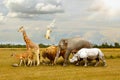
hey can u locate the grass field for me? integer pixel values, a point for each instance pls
(58, 72)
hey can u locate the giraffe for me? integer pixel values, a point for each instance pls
(30, 45)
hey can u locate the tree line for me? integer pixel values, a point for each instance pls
(103, 45)
(20, 46)
(106, 45)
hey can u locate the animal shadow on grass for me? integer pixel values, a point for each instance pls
(50, 64)
(91, 64)
(23, 65)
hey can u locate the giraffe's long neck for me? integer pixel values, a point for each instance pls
(29, 43)
(26, 39)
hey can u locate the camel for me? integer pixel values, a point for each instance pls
(30, 45)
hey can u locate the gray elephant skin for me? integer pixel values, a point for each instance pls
(71, 44)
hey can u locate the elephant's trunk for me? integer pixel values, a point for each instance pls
(57, 55)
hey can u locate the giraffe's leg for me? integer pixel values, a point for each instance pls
(38, 61)
(37, 57)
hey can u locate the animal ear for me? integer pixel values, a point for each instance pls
(21, 28)
(65, 42)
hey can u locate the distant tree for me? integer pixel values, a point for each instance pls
(43, 46)
(111, 46)
(106, 45)
(96, 46)
(116, 45)
(11, 46)
(103, 45)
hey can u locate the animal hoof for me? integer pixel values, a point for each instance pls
(85, 65)
(64, 65)
(54, 63)
(77, 64)
(38, 64)
(105, 65)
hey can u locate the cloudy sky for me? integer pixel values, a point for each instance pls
(97, 21)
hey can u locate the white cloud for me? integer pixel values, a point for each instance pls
(37, 28)
(89, 34)
(20, 15)
(40, 13)
(105, 8)
(31, 8)
(2, 17)
(99, 36)
(111, 35)
(48, 8)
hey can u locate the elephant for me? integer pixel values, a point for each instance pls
(71, 44)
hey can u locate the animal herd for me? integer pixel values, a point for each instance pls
(82, 50)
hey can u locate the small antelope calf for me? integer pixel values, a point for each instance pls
(26, 57)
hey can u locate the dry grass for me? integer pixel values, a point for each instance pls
(58, 72)
(112, 52)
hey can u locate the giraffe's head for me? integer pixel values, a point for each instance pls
(21, 29)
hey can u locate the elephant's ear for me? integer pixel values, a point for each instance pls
(65, 42)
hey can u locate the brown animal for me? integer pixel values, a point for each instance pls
(30, 45)
(50, 53)
(26, 57)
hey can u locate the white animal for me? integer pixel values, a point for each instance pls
(49, 29)
(87, 54)
(47, 35)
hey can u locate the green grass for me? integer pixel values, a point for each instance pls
(58, 72)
